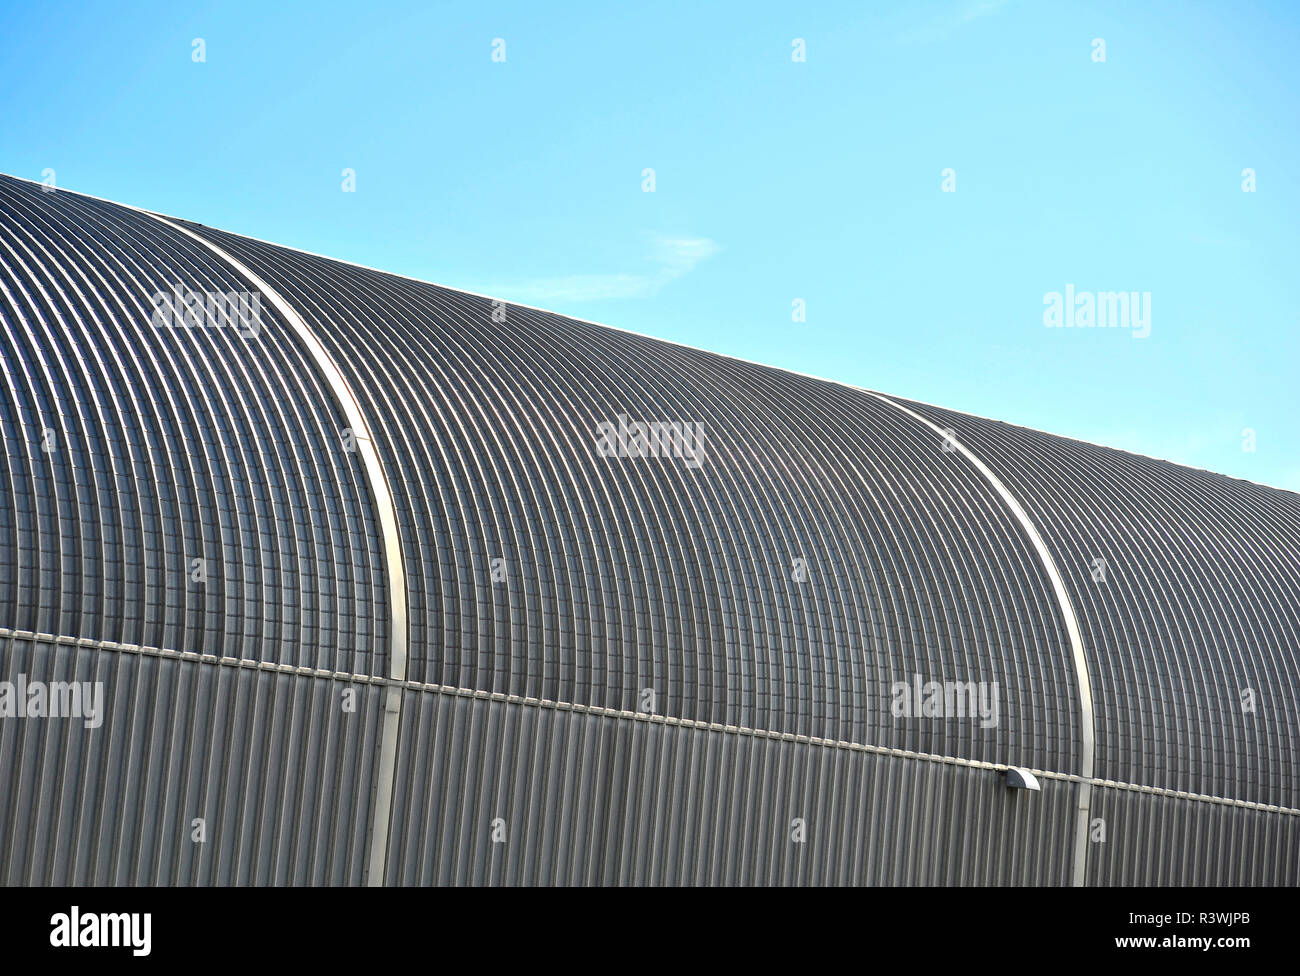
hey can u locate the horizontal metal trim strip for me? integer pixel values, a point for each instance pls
(498, 696)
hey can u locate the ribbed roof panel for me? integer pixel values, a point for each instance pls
(1193, 629)
(620, 577)
(133, 450)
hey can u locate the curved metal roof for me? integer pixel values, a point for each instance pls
(823, 545)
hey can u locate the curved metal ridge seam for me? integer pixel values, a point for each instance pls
(1086, 728)
(452, 691)
(385, 510)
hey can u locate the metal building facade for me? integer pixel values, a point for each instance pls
(434, 636)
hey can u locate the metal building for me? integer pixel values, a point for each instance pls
(382, 582)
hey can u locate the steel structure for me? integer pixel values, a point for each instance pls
(369, 604)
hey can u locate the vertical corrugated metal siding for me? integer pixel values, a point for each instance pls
(1164, 840)
(596, 799)
(271, 761)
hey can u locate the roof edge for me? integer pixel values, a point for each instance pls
(672, 342)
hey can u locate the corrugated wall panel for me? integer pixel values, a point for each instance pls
(579, 797)
(1165, 840)
(272, 761)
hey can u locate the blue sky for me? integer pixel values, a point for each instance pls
(775, 179)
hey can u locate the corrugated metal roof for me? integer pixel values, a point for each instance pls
(621, 669)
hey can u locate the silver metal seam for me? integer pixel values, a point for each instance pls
(385, 510)
(1086, 729)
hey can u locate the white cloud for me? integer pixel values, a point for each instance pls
(678, 255)
(669, 258)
